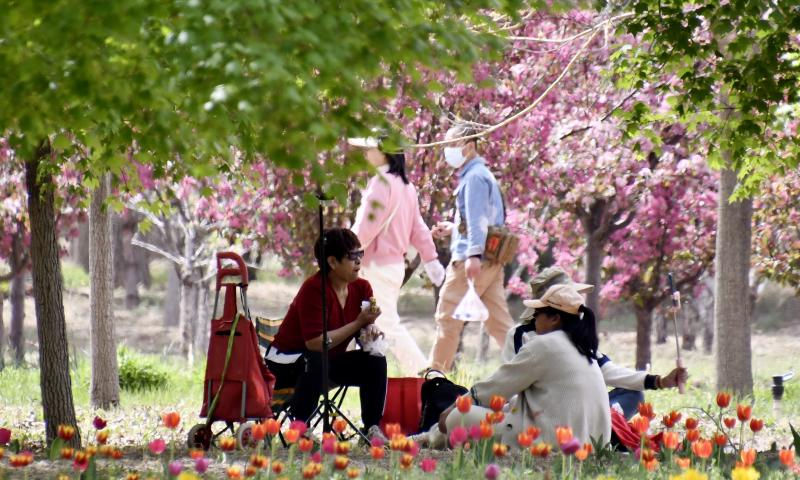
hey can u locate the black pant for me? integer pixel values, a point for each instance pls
(354, 368)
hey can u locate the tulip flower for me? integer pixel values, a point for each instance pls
(277, 467)
(227, 444)
(541, 450)
(692, 435)
(671, 419)
(175, 468)
(195, 453)
(98, 423)
(651, 465)
(201, 464)
(427, 465)
(340, 462)
(300, 426)
(756, 425)
(393, 429)
(311, 470)
(250, 471)
(339, 425)
(353, 472)
(305, 445)
(563, 434)
(66, 432)
(570, 446)
(744, 473)
(670, 440)
(475, 432)
(524, 439)
(534, 432)
(581, 454)
(499, 449)
(377, 453)
(646, 410)
(406, 461)
(171, 420)
(683, 463)
(744, 412)
(702, 448)
(272, 426)
(234, 472)
(102, 437)
(132, 476)
(5, 436)
(496, 403)
(495, 417)
(258, 432)
(720, 439)
(464, 403)
(691, 423)
(786, 456)
(329, 446)
(729, 422)
(747, 457)
(458, 436)
(157, 446)
(291, 435)
(723, 399)
(81, 462)
(315, 457)
(641, 424)
(343, 448)
(492, 472)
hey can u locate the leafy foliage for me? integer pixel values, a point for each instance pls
(136, 374)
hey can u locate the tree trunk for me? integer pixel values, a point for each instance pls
(2, 335)
(16, 336)
(51, 328)
(594, 264)
(203, 319)
(126, 272)
(172, 309)
(105, 374)
(692, 323)
(731, 305)
(662, 327)
(644, 325)
(189, 294)
(83, 245)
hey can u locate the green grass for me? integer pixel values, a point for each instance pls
(74, 276)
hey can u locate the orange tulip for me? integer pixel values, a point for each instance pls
(464, 403)
(234, 472)
(641, 424)
(651, 465)
(744, 412)
(646, 410)
(647, 455)
(670, 440)
(273, 427)
(487, 430)
(132, 476)
(291, 435)
(671, 419)
(393, 429)
(702, 448)
(102, 437)
(340, 463)
(277, 467)
(534, 432)
(691, 423)
(563, 435)
(66, 432)
(196, 453)
(259, 461)
(171, 420)
(495, 417)
(729, 422)
(67, 453)
(720, 439)
(116, 454)
(339, 425)
(723, 399)
(258, 432)
(692, 435)
(588, 447)
(353, 472)
(683, 463)
(305, 445)
(90, 450)
(541, 449)
(756, 425)
(311, 470)
(786, 457)
(377, 453)
(406, 461)
(227, 444)
(250, 471)
(524, 439)
(581, 454)
(496, 403)
(499, 450)
(343, 448)
(747, 457)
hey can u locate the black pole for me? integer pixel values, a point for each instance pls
(326, 426)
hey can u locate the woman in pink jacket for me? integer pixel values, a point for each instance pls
(387, 222)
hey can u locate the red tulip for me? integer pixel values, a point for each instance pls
(720, 439)
(691, 423)
(499, 449)
(756, 424)
(670, 440)
(464, 403)
(305, 445)
(339, 425)
(340, 462)
(524, 439)
(729, 422)
(747, 458)
(744, 412)
(723, 399)
(171, 420)
(646, 410)
(496, 403)
(258, 432)
(563, 435)
(272, 426)
(99, 423)
(702, 448)
(66, 432)
(377, 453)
(641, 424)
(692, 435)
(671, 419)
(5, 436)
(786, 457)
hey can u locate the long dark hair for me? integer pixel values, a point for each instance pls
(397, 164)
(581, 329)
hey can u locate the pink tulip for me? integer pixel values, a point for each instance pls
(571, 446)
(175, 468)
(475, 432)
(157, 446)
(201, 464)
(427, 465)
(329, 446)
(492, 471)
(316, 457)
(376, 442)
(300, 426)
(99, 423)
(5, 436)
(458, 436)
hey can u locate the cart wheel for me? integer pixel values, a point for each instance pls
(244, 435)
(199, 436)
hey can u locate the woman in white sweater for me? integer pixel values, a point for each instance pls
(553, 381)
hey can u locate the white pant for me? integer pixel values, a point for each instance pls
(386, 281)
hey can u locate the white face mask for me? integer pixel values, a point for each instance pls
(453, 156)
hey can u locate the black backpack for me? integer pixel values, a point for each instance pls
(437, 394)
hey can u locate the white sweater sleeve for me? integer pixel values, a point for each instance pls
(617, 376)
(515, 376)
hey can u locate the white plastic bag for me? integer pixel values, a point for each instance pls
(471, 308)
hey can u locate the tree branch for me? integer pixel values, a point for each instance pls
(157, 250)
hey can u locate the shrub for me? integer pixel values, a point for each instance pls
(137, 374)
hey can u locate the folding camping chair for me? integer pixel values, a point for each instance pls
(267, 329)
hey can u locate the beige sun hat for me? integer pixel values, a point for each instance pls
(564, 297)
(547, 278)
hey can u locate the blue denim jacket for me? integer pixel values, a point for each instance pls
(480, 205)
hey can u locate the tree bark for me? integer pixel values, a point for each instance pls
(731, 306)
(594, 263)
(203, 319)
(83, 245)
(105, 373)
(126, 272)
(172, 309)
(2, 335)
(51, 328)
(644, 325)
(189, 297)
(16, 335)
(662, 327)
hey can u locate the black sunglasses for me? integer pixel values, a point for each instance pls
(355, 255)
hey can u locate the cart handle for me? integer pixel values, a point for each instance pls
(240, 270)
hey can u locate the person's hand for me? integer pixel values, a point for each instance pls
(367, 317)
(371, 333)
(472, 267)
(443, 418)
(673, 378)
(442, 229)
(435, 272)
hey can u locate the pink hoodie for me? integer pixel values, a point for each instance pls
(386, 193)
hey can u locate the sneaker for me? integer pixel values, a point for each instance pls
(374, 433)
